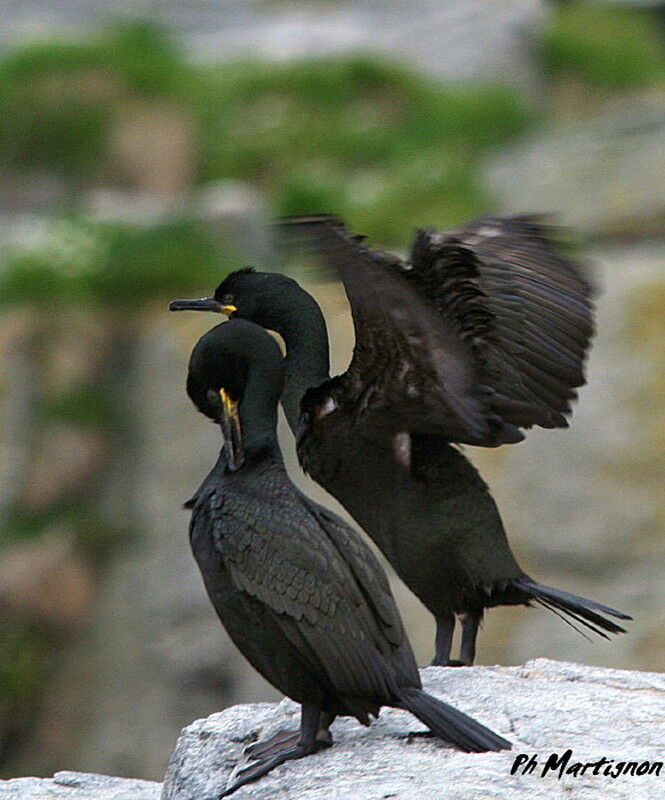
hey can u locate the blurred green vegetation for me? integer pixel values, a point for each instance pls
(140, 54)
(605, 45)
(58, 97)
(77, 260)
(83, 405)
(96, 537)
(381, 145)
(25, 657)
(374, 141)
(22, 660)
(377, 143)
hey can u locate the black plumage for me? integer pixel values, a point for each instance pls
(297, 589)
(481, 334)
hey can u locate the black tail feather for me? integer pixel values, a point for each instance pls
(565, 619)
(583, 611)
(451, 725)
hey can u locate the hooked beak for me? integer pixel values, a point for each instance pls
(229, 421)
(202, 304)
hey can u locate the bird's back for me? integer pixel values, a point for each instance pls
(435, 521)
(274, 560)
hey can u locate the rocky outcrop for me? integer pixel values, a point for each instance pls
(610, 720)
(78, 786)
(543, 707)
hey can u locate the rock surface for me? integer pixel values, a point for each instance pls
(78, 786)
(543, 707)
(604, 175)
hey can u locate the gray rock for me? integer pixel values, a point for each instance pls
(78, 786)
(458, 39)
(604, 175)
(543, 707)
(578, 513)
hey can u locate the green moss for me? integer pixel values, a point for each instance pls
(95, 535)
(38, 59)
(143, 264)
(353, 113)
(26, 659)
(444, 197)
(120, 266)
(604, 45)
(43, 122)
(58, 97)
(369, 139)
(146, 58)
(17, 525)
(22, 660)
(139, 54)
(67, 136)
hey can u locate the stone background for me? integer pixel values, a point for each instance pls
(583, 508)
(543, 708)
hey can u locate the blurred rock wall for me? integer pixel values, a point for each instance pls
(583, 509)
(455, 39)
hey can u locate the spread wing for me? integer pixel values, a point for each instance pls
(511, 313)
(522, 306)
(409, 368)
(285, 558)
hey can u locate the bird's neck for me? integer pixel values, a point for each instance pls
(307, 360)
(258, 415)
(262, 453)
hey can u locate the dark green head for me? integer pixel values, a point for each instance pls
(235, 377)
(269, 299)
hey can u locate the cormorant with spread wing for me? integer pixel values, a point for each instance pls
(482, 333)
(298, 590)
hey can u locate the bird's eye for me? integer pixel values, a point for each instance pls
(227, 300)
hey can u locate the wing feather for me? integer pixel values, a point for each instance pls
(491, 321)
(289, 561)
(398, 332)
(532, 354)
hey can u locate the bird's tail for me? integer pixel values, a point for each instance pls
(586, 612)
(450, 724)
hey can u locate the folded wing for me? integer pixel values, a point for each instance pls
(349, 632)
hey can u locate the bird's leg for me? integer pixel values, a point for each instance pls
(310, 723)
(470, 622)
(445, 626)
(287, 738)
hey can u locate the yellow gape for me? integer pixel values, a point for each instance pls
(230, 406)
(232, 431)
